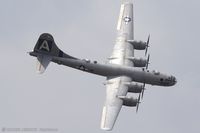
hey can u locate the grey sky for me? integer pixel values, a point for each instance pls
(72, 101)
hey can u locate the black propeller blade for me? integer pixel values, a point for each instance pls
(138, 103)
(147, 65)
(143, 90)
(147, 45)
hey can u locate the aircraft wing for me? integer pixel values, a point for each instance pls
(114, 90)
(115, 86)
(123, 50)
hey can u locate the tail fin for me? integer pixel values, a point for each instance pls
(46, 45)
(45, 49)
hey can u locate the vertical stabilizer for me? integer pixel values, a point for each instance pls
(45, 49)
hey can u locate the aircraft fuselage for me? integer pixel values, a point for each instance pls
(112, 70)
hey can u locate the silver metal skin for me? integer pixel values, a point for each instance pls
(124, 73)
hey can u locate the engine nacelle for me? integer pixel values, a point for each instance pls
(139, 45)
(134, 87)
(129, 101)
(138, 62)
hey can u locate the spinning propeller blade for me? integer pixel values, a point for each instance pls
(143, 90)
(148, 58)
(138, 103)
(147, 45)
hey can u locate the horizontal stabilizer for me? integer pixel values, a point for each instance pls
(42, 63)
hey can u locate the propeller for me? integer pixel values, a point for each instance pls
(138, 103)
(143, 88)
(147, 45)
(148, 58)
(140, 97)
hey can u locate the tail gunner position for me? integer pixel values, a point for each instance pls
(124, 73)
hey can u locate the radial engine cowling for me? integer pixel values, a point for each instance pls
(138, 45)
(138, 62)
(129, 101)
(134, 87)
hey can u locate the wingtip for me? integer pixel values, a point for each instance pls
(106, 129)
(127, 1)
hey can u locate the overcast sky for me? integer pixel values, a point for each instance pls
(72, 101)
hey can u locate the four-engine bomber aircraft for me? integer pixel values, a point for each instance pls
(124, 73)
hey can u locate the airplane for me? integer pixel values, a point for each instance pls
(124, 72)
